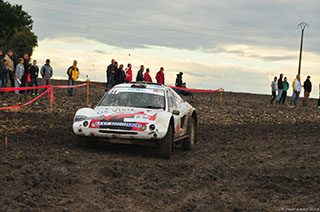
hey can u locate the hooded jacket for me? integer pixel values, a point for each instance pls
(274, 85)
(285, 86)
(280, 84)
(10, 62)
(73, 73)
(160, 77)
(307, 86)
(128, 72)
(140, 76)
(19, 71)
(147, 77)
(46, 71)
(179, 80)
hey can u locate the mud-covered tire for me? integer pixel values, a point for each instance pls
(188, 143)
(166, 144)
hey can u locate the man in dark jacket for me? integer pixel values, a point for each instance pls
(280, 88)
(34, 73)
(140, 77)
(4, 73)
(179, 80)
(307, 85)
(110, 74)
(119, 75)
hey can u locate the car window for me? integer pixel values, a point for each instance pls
(141, 98)
(171, 101)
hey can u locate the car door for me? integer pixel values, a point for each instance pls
(174, 104)
(182, 106)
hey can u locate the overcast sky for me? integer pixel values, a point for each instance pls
(235, 44)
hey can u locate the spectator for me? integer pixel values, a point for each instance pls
(160, 76)
(4, 73)
(9, 58)
(140, 77)
(46, 73)
(280, 88)
(273, 89)
(185, 92)
(119, 75)
(110, 74)
(26, 72)
(123, 74)
(179, 80)
(1, 58)
(128, 72)
(307, 85)
(34, 73)
(147, 76)
(73, 74)
(297, 90)
(19, 74)
(1, 65)
(293, 90)
(284, 92)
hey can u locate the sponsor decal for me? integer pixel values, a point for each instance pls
(118, 124)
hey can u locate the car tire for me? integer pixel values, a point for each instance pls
(188, 143)
(165, 149)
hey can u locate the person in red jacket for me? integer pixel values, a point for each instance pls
(128, 72)
(147, 77)
(160, 76)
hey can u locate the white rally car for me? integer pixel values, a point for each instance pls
(139, 113)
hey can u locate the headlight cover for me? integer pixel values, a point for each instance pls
(78, 118)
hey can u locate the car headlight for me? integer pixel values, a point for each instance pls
(78, 118)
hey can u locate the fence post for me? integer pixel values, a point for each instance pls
(221, 95)
(88, 91)
(51, 97)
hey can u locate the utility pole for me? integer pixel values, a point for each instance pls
(302, 26)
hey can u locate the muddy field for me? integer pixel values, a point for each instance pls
(249, 157)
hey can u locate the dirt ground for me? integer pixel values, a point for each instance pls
(250, 156)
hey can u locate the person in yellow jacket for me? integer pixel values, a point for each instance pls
(73, 74)
(293, 89)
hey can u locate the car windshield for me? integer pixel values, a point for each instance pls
(141, 98)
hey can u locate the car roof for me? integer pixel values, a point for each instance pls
(142, 85)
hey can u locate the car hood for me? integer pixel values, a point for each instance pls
(121, 114)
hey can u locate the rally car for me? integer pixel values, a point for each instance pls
(139, 113)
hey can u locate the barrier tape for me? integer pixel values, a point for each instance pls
(23, 88)
(71, 86)
(51, 95)
(99, 86)
(25, 104)
(197, 90)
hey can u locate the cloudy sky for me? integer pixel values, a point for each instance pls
(235, 44)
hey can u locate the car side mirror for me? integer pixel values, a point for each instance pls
(176, 112)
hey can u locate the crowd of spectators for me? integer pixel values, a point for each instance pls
(23, 74)
(282, 86)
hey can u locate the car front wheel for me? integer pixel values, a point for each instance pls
(190, 141)
(166, 144)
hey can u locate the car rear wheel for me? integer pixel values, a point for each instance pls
(166, 144)
(188, 143)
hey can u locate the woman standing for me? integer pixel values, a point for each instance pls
(19, 74)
